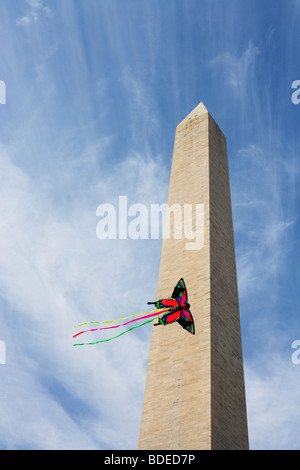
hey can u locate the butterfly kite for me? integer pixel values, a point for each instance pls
(172, 309)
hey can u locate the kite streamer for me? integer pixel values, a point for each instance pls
(119, 319)
(123, 324)
(142, 316)
(114, 337)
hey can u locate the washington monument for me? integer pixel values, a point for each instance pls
(195, 393)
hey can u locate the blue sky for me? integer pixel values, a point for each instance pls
(94, 92)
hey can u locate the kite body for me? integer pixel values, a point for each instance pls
(179, 308)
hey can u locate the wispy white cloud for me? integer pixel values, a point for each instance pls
(261, 214)
(92, 105)
(35, 3)
(37, 9)
(24, 20)
(56, 273)
(273, 398)
(237, 70)
(264, 181)
(144, 122)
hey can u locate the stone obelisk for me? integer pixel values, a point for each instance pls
(195, 394)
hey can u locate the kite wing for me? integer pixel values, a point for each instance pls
(180, 292)
(179, 297)
(183, 317)
(169, 318)
(186, 318)
(165, 303)
(186, 321)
